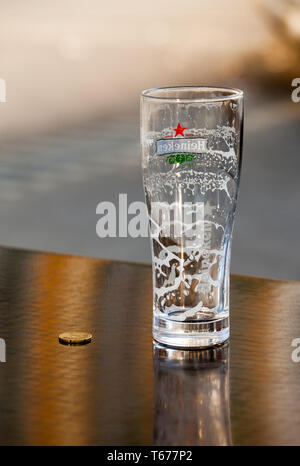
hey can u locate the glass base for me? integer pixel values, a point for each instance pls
(201, 334)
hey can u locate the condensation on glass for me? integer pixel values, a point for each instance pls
(191, 141)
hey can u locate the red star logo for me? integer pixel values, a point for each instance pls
(179, 130)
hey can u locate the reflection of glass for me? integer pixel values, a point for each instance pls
(191, 396)
(191, 153)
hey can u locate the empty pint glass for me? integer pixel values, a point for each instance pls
(191, 141)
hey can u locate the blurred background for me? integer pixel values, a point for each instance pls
(69, 130)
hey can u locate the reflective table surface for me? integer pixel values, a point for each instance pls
(123, 389)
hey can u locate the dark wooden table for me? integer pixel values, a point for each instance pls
(120, 390)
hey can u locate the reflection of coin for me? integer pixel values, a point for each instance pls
(75, 338)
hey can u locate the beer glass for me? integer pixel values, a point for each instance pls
(191, 140)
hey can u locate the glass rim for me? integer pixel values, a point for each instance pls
(233, 93)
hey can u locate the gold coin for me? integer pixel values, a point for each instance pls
(75, 338)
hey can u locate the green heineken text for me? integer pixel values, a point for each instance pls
(180, 158)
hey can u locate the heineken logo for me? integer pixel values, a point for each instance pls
(180, 158)
(184, 143)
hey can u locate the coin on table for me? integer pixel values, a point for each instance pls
(75, 338)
